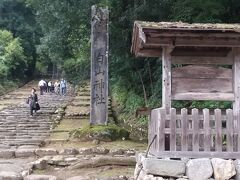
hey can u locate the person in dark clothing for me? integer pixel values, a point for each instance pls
(33, 102)
(46, 87)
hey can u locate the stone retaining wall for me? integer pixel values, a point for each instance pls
(152, 168)
(32, 151)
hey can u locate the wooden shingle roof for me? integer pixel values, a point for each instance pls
(150, 37)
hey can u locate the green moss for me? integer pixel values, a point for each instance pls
(101, 132)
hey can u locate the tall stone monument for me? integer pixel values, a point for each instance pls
(99, 66)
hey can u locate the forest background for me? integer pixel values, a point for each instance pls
(42, 37)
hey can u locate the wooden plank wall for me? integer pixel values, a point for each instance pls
(202, 82)
(201, 134)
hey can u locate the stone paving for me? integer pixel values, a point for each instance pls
(21, 138)
(17, 127)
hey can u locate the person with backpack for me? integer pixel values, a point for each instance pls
(33, 102)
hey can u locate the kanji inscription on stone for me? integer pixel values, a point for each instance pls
(99, 66)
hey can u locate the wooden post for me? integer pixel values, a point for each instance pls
(218, 129)
(99, 66)
(184, 122)
(195, 130)
(230, 132)
(166, 78)
(236, 88)
(207, 130)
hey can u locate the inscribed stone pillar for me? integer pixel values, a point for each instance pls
(99, 66)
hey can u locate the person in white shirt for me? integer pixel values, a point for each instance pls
(41, 86)
(49, 86)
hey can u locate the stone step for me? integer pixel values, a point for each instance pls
(18, 128)
(33, 124)
(27, 136)
(20, 135)
(24, 127)
(26, 121)
(37, 142)
(83, 94)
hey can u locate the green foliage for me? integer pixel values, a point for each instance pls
(12, 59)
(100, 132)
(210, 104)
(119, 93)
(7, 86)
(133, 102)
(77, 70)
(19, 19)
(198, 11)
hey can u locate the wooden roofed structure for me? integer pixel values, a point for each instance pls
(208, 68)
(149, 37)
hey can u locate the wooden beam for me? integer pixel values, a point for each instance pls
(197, 42)
(201, 51)
(191, 31)
(159, 42)
(149, 52)
(202, 72)
(236, 87)
(207, 42)
(188, 34)
(166, 78)
(201, 60)
(203, 96)
(193, 85)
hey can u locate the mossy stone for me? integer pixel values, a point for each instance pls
(100, 132)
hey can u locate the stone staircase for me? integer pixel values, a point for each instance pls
(77, 115)
(17, 127)
(79, 108)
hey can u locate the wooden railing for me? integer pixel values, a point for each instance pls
(194, 134)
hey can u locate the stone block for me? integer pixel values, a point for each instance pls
(69, 151)
(40, 177)
(130, 152)
(9, 175)
(199, 169)
(116, 152)
(7, 153)
(100, 151)
(85, 151)
(223, 169)
(46, 152)
(237, 167)
(40, 164)
(19, 153)
(28, 147)
(160, 167)
(79, 178)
